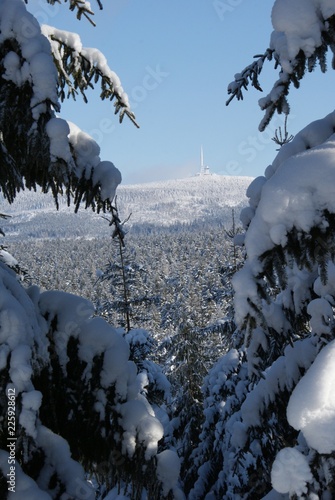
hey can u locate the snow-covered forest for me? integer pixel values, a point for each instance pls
(190, 364)
(193, 201)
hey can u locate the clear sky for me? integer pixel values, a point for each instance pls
(175, 59)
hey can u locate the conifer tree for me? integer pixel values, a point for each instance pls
(131, 299)
(266, 400)
(74, 418)
(38, 148)
(303, 56)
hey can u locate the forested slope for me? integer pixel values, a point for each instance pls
(192, 201)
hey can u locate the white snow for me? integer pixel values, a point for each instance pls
(300, 23)
(218, 374)
(294, 197)
(247, 213)
(300, 282)
(140, 425)
(297, 26)
(58, 131)
(278, 234)
(109, 177)
(168, 469)
(314, 134)
(12, 65)
(7, 258)
(117, 494)
(326, 290)
(38, 66)
(70, 312)
(20, 367)
(245, 290)
(31, 402)
(98, 337)
(239, 435)
(311, 408)
(282, 374)
(58, 453)
(299, 187)
(87, 152)
(290, 472)
(321, 314)
(18, 325)
(254, 190)
(43, 74)
(25, 487)
(94, 56)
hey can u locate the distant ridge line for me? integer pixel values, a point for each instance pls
(196, 177)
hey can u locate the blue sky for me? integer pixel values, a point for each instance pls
(175, 59)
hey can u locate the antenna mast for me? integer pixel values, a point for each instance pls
(202, 167)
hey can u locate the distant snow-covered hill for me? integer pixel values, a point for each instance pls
(183, 200)
(200, 199)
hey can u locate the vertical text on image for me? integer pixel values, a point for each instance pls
(11, 438)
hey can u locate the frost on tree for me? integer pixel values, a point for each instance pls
(39, 68)
(269, 405)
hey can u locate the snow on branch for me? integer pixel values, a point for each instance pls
(37, 148)
(250, 74)
(303, 33)
(80, 67)
(83, 8)
(79, 400)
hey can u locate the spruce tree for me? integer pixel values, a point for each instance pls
(304, 58)
(130, 300)
(39, 69)
(74, 421)
(263, 398)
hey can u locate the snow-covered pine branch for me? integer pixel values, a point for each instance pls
(78, 67)
(79, 400)
(82, 7)
(38, 148)
(249, 74)
(303, 33)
